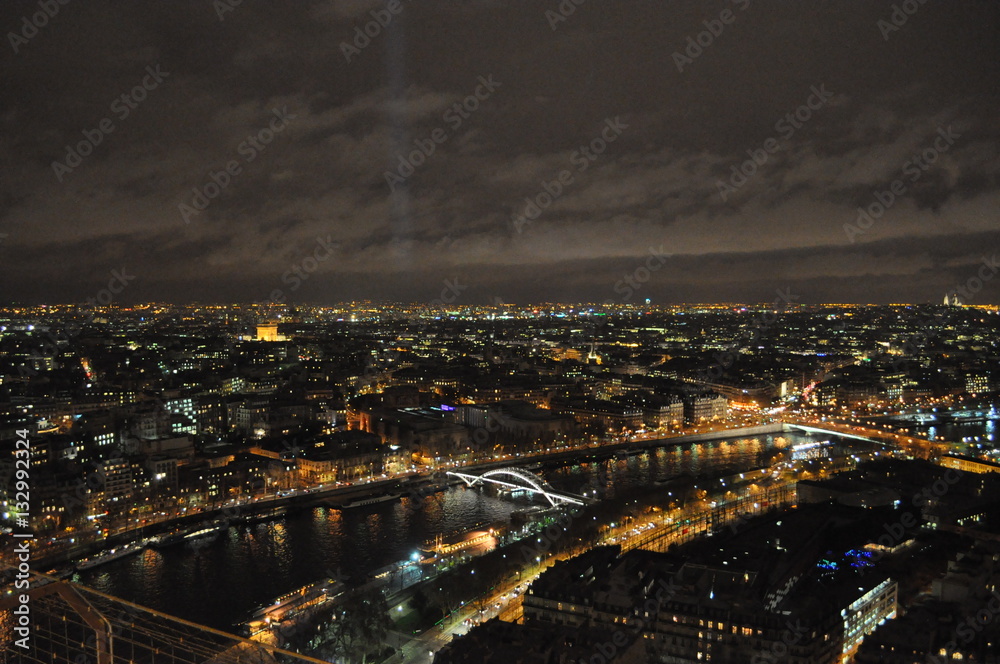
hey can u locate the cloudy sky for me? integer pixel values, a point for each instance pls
(319, 122)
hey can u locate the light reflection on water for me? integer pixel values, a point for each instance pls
(222, 581)
(957, 432)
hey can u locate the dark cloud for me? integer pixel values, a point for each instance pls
(323, 176)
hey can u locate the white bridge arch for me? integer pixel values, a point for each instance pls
(528, 482)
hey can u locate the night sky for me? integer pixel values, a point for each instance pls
(267, 89)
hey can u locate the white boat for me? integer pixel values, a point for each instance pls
(312, 593)
(186, 534)
(166, 539)
(110, 554)
(205, 532)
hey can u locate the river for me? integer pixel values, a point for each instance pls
(221, 582)
(959, 432)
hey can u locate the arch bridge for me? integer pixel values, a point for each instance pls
(518, 478)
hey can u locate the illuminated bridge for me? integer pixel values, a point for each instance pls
(71, 623)
(522, 480)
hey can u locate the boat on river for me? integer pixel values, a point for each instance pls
(371, 500)
(111, 554)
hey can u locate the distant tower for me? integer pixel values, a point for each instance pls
(593, 357)
(952, 300)
(489, 351)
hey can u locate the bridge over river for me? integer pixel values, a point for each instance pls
(519, 479)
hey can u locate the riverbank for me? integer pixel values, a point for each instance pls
(221, 579)
(308, 498)
(608, 450)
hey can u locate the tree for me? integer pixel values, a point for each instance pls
(419, 601)
(358, 629)
(445, 594)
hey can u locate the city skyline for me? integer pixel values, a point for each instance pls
(276, 310)
(418, 470)
(409, 331)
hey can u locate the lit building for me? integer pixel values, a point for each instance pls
(866, 613)
(269, 332)
(968, 464)
(977, 383)
(117, 479)
(706, 408)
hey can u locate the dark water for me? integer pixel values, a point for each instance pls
(960, 432)
(663, 463)
(221, 582)
(982, 432)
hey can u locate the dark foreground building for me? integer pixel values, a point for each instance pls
(793, 588)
